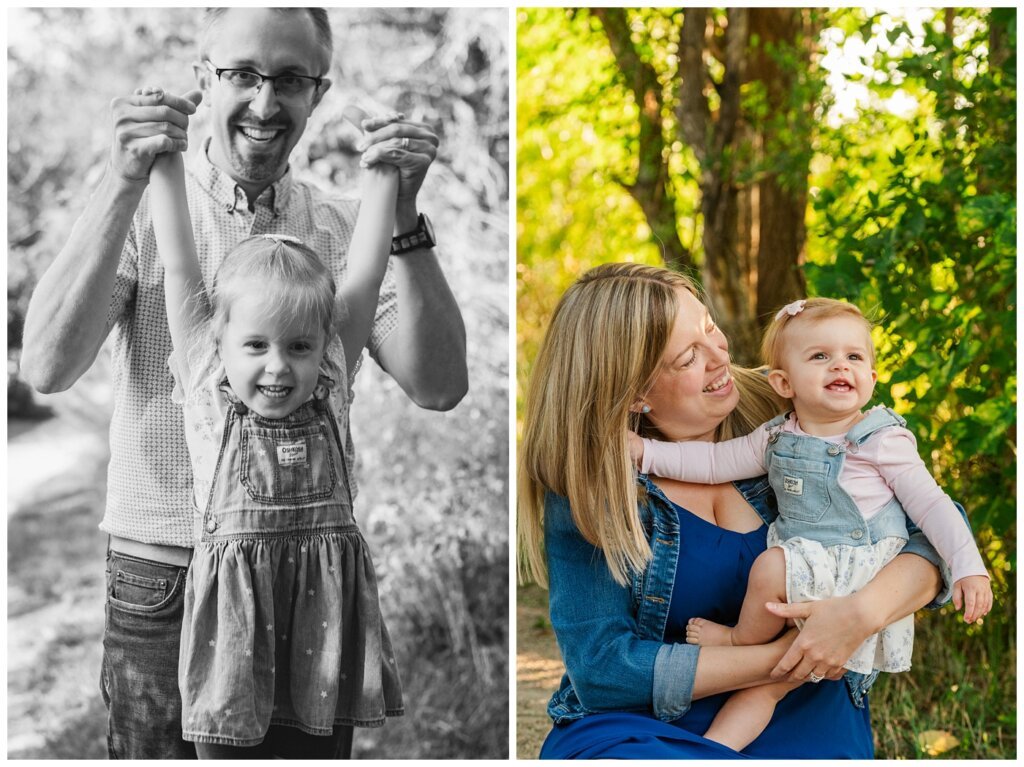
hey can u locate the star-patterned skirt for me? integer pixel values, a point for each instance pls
(286, 631)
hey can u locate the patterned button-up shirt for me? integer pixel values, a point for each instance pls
(149, 479)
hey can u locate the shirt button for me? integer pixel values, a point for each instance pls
(857, 535)
(212, 525)
(833, 449)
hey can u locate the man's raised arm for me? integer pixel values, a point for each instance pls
(426, 353)
(66, 321)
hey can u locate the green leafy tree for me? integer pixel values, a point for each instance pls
(916, 217)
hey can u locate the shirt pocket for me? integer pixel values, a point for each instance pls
(293, 466)
(801, 488)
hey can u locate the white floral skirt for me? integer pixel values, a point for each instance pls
(817, 572)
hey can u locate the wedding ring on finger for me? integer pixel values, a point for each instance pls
(814, 678)
(405, 143)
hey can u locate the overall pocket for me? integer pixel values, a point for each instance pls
(801, 488)
(293, 465)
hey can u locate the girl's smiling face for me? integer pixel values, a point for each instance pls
(272, 360)
(693, 391)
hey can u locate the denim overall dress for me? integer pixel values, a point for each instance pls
(282, 622)
(830, 548)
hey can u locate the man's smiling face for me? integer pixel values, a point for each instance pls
(252, 140)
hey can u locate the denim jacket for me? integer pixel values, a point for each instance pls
(612, 637)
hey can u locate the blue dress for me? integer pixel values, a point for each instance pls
(812, 722)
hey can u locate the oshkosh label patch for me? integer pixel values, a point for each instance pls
(793, 485)
(291, 454)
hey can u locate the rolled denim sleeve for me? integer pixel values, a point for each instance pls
(612, 666)
(919, 544)
(675, 669)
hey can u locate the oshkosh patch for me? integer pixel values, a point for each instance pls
(793, 485)
(291, 454)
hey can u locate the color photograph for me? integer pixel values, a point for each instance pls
(766, 383)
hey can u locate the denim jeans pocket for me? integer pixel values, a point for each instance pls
(142, 587)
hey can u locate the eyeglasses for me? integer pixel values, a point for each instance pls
(247, 84)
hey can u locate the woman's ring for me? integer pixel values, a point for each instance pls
(812, 677)
(405, 142)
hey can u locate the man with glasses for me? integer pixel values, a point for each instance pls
(261, 74)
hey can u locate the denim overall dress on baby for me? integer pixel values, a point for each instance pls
(830, 548)
(282, 622)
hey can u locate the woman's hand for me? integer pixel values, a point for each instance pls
(833, 630)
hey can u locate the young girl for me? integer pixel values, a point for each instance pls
(845, 481)
(282, 636)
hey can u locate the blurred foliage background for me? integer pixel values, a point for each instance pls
(776, 153)
(434, 486)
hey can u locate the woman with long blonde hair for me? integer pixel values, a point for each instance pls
(628, 559)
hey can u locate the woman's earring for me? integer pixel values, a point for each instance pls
(645, 409)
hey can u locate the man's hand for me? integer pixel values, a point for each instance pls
(409, 146)
(146, 124)
(974, 595)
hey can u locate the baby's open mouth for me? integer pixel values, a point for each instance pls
(839, 386)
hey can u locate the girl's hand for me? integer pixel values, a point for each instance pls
(974, 595)
(636, 449)
(832, 632)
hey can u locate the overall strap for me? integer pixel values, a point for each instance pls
(775, 425)
(877, 419)
(237, 405)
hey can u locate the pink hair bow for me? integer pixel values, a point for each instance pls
(792, 309)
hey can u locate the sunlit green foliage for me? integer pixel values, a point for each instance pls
(912, 214)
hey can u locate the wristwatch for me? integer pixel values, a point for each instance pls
(420, 237)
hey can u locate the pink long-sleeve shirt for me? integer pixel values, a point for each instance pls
(885, 465)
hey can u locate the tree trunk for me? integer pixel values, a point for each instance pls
(652, 189)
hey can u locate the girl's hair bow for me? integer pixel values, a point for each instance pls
(792, 309)
(282, 238)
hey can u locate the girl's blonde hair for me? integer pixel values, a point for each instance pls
(814, 310)
(602, 352)
(288, 274)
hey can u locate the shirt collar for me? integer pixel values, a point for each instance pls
(223, 189)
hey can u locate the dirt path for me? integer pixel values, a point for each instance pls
(56, 471)
(538, 670)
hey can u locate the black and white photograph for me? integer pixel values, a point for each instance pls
(258, 383)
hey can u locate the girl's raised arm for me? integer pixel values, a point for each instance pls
(368, 252)
(172, 226)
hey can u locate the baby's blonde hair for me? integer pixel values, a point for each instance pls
(814, 310)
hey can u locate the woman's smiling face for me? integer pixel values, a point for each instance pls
(693, 391)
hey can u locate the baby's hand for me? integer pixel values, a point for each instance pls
(636, 449)
(974, 594)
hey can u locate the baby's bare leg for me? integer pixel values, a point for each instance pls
(745, 715)
(767, 583)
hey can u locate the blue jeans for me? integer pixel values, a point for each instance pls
(139, 675)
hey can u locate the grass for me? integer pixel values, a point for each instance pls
(964, 683)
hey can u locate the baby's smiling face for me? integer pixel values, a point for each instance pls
(827, 368)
